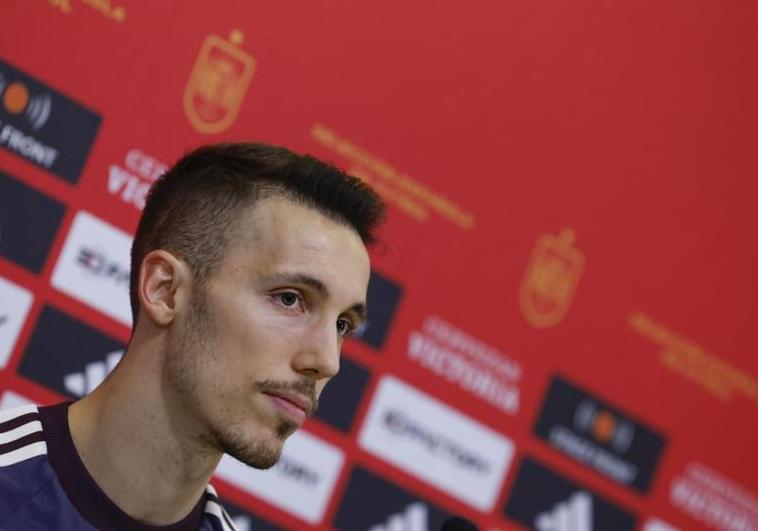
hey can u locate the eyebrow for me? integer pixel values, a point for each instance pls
(307, 280)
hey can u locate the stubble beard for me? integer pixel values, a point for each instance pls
(185, 363)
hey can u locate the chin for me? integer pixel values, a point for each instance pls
(260, 459)
(259, 452)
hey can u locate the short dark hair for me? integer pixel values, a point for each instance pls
(190, 209)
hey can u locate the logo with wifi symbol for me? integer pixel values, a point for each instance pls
(604, 426)
(17, 99)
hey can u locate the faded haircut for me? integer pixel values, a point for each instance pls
(191, 209)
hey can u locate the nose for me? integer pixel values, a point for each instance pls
(319, 355)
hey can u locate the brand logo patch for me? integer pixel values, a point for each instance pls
(218, 83)
(62, 346)
(375, 504)
(443, 447)
(599, 435)
(15, 302)
(94, 266)
(547, 501)
(301, 483)
(28, 223)
(43, 126)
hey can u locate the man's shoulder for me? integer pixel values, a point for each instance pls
(28, 484)
(24, 468)
(21, 437)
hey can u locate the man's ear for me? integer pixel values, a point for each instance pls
(163, 288)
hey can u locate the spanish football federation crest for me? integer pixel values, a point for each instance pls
(551, 279)
(218, 83)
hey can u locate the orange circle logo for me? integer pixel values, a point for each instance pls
(603, 426)
(16, 98)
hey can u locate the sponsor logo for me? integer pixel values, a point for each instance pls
(82, 382)
(107, 9)
(574, 514)
(542, 499)
(104, 7)
(60, 347)
(34, 109)
(599, 435)
(97, 264)
(297, 472)
(339, 402)
(382, 298)
(94, 266)
(63, 5)
(658, 525)
(435, 443)
(28, 223)
(711, 372)
(377, 505)
(714, 500)
(409, 194)
(43, 126)
(472, 365)
(301, 483)
(15, 303)
(131, 180)
(217, 84)
(443, 447)
(551, 279)
(415, 517)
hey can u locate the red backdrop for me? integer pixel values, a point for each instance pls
(572, 196)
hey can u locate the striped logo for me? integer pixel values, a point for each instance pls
(21, 435)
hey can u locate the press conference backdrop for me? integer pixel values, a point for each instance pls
(562, 329)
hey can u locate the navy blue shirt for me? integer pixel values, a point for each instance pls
(45, 486)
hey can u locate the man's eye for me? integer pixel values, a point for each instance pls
(344, 327)
(288, 299)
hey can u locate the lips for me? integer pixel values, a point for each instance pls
(299, 400)
(293, 405)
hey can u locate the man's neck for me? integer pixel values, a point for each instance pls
(131, 444)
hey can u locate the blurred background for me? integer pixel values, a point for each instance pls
(562, 329)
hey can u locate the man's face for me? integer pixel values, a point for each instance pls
(260, 341)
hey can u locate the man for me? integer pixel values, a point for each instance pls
(249, 268)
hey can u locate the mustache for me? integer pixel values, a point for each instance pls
(306, 388)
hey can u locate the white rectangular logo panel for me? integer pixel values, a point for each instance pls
(94, 266)
(15, 302)
(301, 483)
(443, 447)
